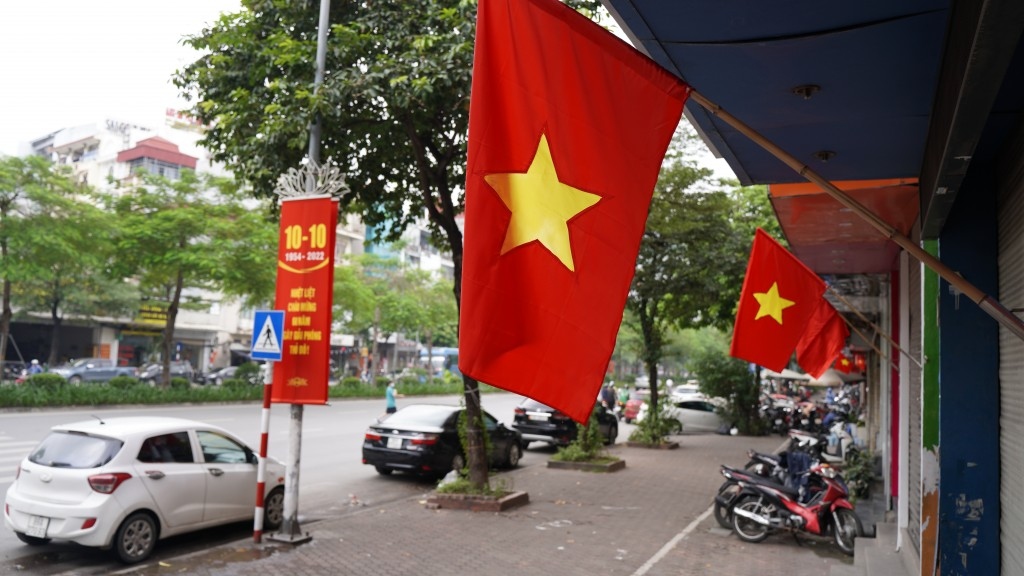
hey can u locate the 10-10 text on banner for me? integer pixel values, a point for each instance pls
(305, 289)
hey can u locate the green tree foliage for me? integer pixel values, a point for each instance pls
(67, 246)
(693, 255)
(187, 235)
(394, 110)
(725, 377)
(53, 247)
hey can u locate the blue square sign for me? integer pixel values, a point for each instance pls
(267, 334)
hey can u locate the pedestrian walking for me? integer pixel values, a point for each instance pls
(390, 405)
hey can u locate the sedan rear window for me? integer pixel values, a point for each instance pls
(531, 404)
(421, 415)
(74, 450)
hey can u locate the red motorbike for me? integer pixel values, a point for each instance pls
(764, 507)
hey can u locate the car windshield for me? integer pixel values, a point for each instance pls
(75, 450)
(421, 415)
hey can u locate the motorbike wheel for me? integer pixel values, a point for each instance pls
(750, 530)
(723, 514)
(845, 529)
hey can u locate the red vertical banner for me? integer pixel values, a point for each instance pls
(305, 290)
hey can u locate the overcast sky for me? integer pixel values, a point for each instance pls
(70, 62)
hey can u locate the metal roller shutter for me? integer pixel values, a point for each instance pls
(1011, 369)
(913, 441)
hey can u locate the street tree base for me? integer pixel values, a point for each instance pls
(592, 466)
(667, 445)
(476, 502)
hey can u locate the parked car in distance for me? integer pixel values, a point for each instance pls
(217, 377)
(92, 370)
(124, 483)
(692, 413)
(687, 389)
(423, 439)
(541, 423)
(152, 373)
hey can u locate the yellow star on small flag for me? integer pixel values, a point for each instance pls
(771, 304)
(541, 205)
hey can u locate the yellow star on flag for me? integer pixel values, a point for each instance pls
(541, 205)
(771, 304)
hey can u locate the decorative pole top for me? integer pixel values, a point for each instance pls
(312, 179)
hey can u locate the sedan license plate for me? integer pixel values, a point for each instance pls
(395, 443)
(37, 526)
(539, 416)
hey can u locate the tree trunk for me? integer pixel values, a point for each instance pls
(476, 450)
(5, 317)
(55, 334)
(172, 317)
(430, 357)
(652, 351)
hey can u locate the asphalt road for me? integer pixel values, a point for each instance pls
(331, 472)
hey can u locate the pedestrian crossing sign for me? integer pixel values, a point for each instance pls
(267, 330)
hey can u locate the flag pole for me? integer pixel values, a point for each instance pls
(870, 343)
(990, 305)
(874, 326)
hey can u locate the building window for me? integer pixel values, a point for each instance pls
(155, 167)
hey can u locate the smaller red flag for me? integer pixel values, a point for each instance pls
(859, 362)
(844, 364)
(779, 296)
(822, 341)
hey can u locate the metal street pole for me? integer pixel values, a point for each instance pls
(290, 529)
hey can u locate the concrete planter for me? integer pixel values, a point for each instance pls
(588, 466)
(663, 446)
(476, 502)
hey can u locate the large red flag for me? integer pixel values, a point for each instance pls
(823, 340)
(779, 296)
(568, 127)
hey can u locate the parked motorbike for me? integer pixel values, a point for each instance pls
(769, 467)
(764, 507)
(835, 447)
(777, 410)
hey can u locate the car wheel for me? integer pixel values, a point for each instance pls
(676, 427)
(613, 435)
(136, 538)
(513, 455)
(383, 471)
(150, 382)
(273, 509)
(31, 540)
(75, 380)
(458, 463)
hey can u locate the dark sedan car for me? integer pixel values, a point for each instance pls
(542, 423)
(423, 439)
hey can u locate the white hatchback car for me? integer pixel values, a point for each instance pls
(124, 483)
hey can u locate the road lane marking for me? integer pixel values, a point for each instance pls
(672, 543)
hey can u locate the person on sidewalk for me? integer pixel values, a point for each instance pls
(390, 406)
